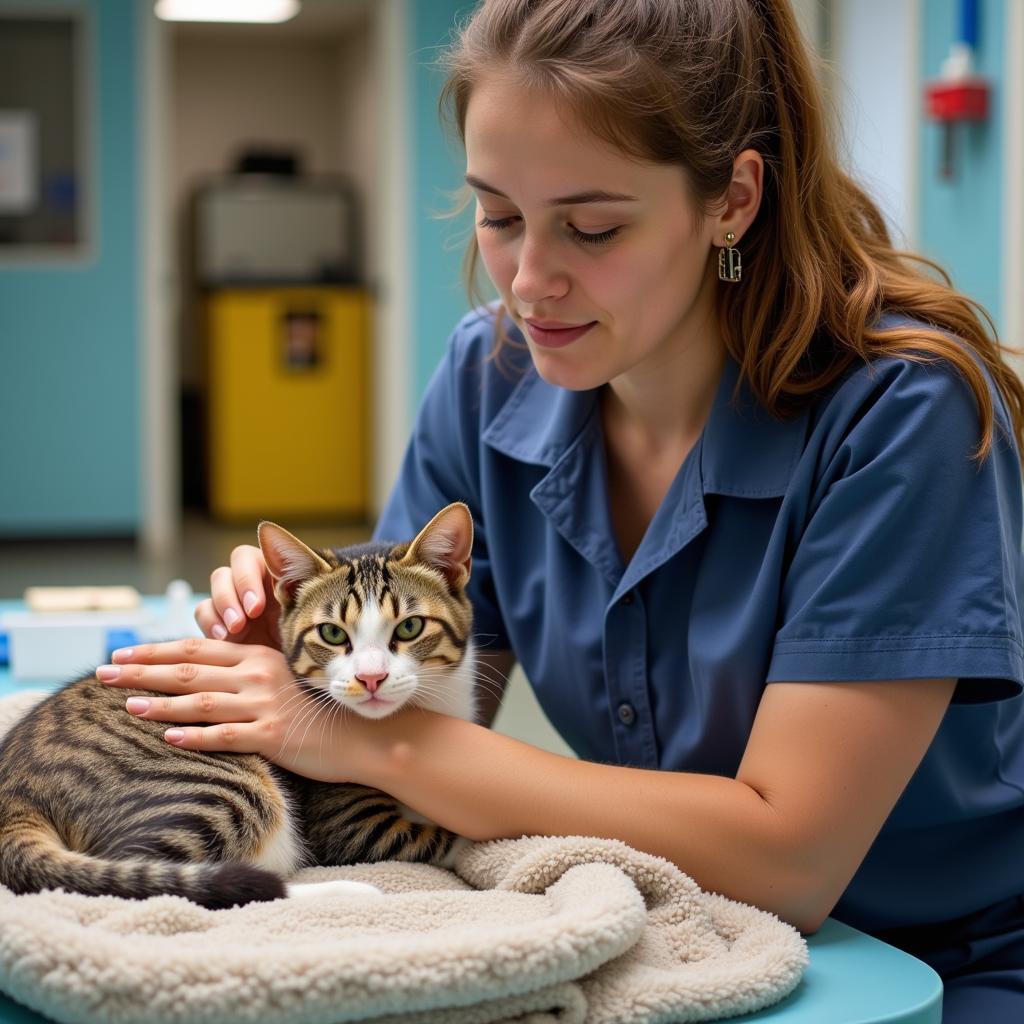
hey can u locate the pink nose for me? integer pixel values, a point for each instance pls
(372, 681)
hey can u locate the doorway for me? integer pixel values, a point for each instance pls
(325, 91)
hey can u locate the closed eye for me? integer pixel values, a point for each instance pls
(598, 238)
(495, 225)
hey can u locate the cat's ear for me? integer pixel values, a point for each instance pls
(289, 561)
(445, 544)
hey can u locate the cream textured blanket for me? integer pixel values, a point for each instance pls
(534, 930)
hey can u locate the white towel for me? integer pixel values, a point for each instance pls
(539, 930)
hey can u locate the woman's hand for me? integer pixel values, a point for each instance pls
(241, 606)
(256, 706)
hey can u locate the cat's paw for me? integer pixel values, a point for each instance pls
(306, 890)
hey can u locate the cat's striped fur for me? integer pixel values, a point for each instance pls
(94, 800)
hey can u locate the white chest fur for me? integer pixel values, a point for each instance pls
(284, 852)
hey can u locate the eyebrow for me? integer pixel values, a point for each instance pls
(576, 199)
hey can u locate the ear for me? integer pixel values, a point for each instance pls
(445, 544)
(289, 561)
(742, 198)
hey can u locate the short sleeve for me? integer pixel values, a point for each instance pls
(441, 465)
(909, 564)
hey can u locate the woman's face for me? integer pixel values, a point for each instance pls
(583, 240)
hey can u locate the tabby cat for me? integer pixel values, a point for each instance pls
(95, 801)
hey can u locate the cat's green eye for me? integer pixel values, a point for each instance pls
(410, 628)
(332, 634)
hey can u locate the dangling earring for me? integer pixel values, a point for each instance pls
(729, 264)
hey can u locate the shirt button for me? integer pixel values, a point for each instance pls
(627, 716)
(627, 598)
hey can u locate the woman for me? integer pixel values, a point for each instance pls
(752, 531)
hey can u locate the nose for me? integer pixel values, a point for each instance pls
(537, 277)
(371, 680)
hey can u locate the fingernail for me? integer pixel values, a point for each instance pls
(123, 654)
(106, 673)
(137, 705)
(249, 601)
(231, 617)
(219, 632)
(174, 735)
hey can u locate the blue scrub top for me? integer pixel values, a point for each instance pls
(854, 541)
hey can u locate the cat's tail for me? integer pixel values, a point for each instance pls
(33, 857)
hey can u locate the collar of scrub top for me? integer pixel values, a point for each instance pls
(745, 452)
(742, 452)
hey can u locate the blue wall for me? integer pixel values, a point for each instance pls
(438, 296)
(69, 416)
(961, 220)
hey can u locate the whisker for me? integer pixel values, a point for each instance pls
(479, 672)
(299, 719)
(318, 707)
(291, 682)
(303, 714)
(442, 696)
(299, 695)
(322, 708)
(490, 686)
(288, 704)
(495, 676)
(331, 715)
(434, 686)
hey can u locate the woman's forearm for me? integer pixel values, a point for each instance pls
(484, 785)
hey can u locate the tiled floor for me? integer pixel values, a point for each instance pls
(204, 546)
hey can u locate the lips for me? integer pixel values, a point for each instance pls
(553, 334)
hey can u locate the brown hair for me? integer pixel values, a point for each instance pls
(693, 83)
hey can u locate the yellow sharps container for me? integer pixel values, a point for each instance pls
(287, 402)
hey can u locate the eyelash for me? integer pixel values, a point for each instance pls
(599, 239)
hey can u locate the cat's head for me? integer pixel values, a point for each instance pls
(378, 625)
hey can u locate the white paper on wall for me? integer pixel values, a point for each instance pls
(19, 191)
